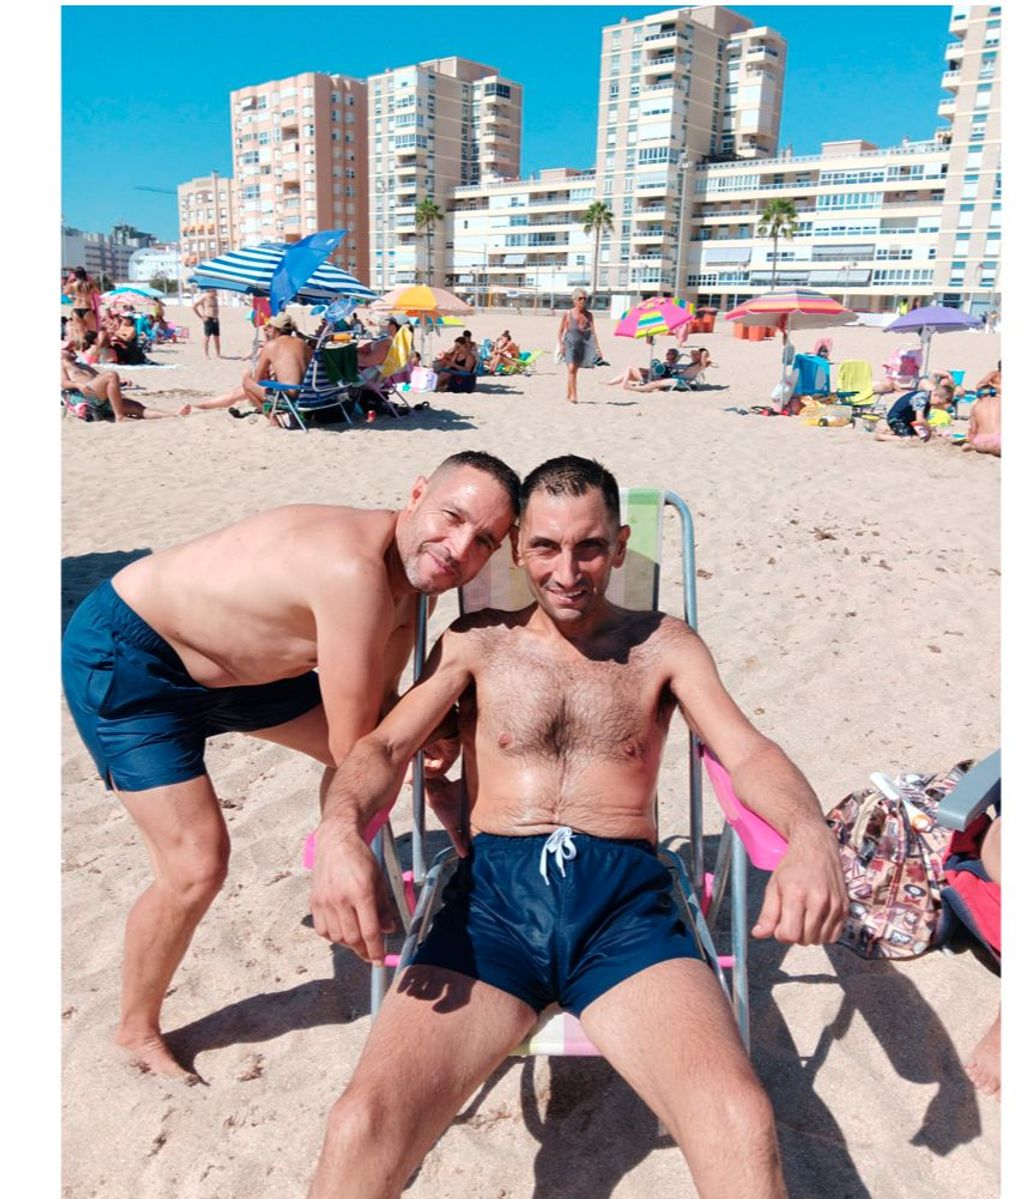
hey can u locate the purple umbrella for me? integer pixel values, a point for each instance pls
(933, 319)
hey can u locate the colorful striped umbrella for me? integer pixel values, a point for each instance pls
(659, 314)
(791, 308)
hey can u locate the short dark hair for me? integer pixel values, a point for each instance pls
(488, 465)
(947, 389)
(80, 273)
(571, 475)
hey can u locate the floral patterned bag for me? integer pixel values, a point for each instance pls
(892, 851)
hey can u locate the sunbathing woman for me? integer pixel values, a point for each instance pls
(641, 374)
(700, 360)
(503, 353)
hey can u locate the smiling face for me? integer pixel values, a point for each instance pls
(450, 527)
(569, 545)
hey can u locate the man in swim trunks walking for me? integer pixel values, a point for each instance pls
(223, 633)
(207, 308)
(561, 897)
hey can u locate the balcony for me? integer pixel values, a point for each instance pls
(954, 50)
(655, 233)
(662, 62)
(756, 53)
(951, 80)
(947, 108)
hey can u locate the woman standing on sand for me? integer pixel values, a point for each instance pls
(577, 340)
(83, 294)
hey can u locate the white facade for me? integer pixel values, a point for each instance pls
(154, 262)
(520, 238)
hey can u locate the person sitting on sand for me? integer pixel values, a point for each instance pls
(105, 386)
(562, 897)
(700, 360)
(641, 374)
(222, 633)
(984, 429)
(446, 357)
(908, 417)
(462, 359)
(283, 357)
(125, 343)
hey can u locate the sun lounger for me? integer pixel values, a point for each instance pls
(854, 383)
(700, 895)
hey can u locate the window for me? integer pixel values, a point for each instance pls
(969, 190)
(983, 99)
(966, 216)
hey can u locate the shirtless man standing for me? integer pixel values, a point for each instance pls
(105, 386)
(562, 897)
(207, 308)
(223, 633)
(284, 357)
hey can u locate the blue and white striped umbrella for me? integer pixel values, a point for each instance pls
(251, 269)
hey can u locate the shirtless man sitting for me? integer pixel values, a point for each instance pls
(222, 633)
(105, 386)
(284, 357)
(562, 898)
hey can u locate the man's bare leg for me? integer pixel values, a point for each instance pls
(188, 848)
(449, 1033)
(216, 344)
(107, 386)
(670, 1033)
(308, 734)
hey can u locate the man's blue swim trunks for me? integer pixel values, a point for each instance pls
(556, 919)
(143, 718)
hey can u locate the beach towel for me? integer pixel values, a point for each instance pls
(855, 376)
(398, 354)
(341, 363)
(812, 375)
(973, 898)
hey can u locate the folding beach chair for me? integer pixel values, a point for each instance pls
(522, 366)
(854, 384)
(323, 394)
(699, 895)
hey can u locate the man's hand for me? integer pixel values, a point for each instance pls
(805, 901)
(445, 799)
(349, 898)
(440, 755)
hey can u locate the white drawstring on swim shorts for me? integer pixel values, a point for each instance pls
(561, 847)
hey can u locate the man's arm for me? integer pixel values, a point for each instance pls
(348, 898)
(805, 900)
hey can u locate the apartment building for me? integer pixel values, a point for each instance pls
(866, 230)
(970, 229)
(432, 127)
(520, 239)
(676, 88)
(102, 254)
(299, 157)
(206, 217)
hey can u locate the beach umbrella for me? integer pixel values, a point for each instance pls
(298, 262)
(251, 270)
(928, 321)
(422, 300)
(149, 292)
(659, 314)
(789, 309)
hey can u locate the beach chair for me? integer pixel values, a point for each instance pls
(323, 396)
(524, 364)
(700, 895)
(903, 367)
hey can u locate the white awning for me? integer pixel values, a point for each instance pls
(738, 254)
(515, 260)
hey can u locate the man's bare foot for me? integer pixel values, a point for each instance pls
(185, 409)
(150, 1055)
(983, 1065)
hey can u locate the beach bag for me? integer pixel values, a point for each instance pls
(892, 851)
(423, 379)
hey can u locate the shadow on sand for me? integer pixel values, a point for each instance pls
(79, 575)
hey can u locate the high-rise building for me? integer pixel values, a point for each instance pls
(676, 88)
(432, 127)
(970, 231)
(299, 154)
(206, 211)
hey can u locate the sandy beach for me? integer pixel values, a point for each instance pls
(849, 591)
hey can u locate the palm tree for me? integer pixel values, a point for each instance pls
(597, 220)
(427, 212)
(778, 219)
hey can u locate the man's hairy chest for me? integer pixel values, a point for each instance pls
(530, 703)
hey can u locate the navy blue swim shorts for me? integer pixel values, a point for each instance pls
(143, 718)
(512, 919)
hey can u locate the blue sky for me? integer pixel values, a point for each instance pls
(158, 114)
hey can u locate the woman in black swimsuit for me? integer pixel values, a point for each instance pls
(577, 340)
